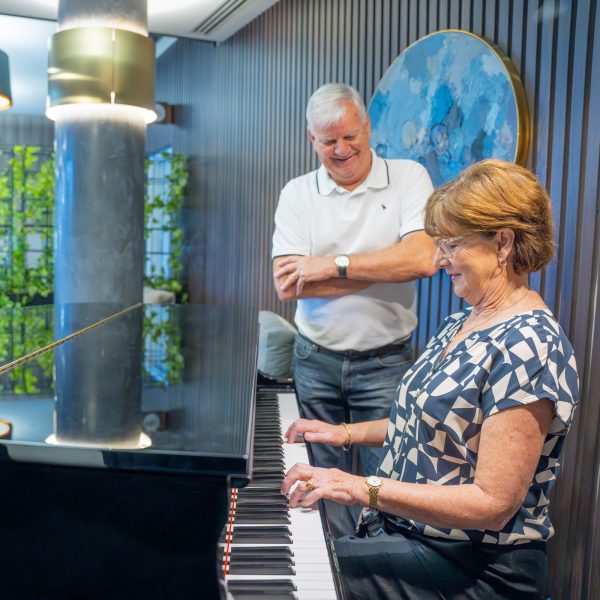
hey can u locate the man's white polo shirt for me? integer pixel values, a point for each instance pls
(317, 217)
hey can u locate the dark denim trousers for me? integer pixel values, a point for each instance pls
(409, 566)
(336, 388)
(399, 564)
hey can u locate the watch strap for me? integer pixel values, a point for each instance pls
(341, 262)
(373, 493)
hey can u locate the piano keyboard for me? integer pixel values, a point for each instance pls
(269, 551)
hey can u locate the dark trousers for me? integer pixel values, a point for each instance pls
(336, 387)
(407, 565)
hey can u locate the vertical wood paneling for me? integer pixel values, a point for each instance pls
(26, 130)
(240, 118)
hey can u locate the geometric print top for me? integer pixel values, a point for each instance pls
(439, 408)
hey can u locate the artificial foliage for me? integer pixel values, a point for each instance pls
(163, 211)
(26, 223)
(27, 263)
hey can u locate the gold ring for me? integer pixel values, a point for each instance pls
(310, 486)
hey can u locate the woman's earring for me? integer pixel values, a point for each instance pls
(502, 262)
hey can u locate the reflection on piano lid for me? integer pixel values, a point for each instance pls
(93, 371)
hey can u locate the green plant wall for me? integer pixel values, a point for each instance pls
(26, 226)
(27, 266)
(168, 206)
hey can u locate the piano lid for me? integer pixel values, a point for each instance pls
(155, 387)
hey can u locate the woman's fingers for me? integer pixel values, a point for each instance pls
(306, 485)
(300, 472)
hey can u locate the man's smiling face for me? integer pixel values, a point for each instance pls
(343, 148)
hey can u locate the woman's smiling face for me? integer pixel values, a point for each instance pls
(470, 260)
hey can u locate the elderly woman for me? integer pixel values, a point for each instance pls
(459, 506)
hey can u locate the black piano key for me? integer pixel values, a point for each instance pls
(274, 478)
(259, 586)
(261, 492)
(276, 534)
(261, 568)
(266, 486)
(270, 462)
(243, 519)
(262, 552)
(278, 501)
(256, 504)
(270, 450)
(253, 496)
(250, 565)
(247, 559)
(271, 455)
(262, 507)
(267, 471)
(263, 595)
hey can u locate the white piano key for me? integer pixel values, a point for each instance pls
(313, 570)
(313, 578)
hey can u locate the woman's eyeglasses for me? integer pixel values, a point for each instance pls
(450, 246)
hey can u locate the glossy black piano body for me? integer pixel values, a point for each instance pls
(86, 512)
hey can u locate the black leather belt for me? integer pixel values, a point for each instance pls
(392, 348)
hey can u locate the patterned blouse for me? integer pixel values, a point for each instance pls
(433, 435)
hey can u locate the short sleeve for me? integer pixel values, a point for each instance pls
(530, 363)
(290, 236)
(417, 192)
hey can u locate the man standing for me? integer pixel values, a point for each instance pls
(348, 243)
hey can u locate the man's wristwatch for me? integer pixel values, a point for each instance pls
(374, 484)
(341, 262)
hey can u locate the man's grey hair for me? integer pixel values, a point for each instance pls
(326, 106)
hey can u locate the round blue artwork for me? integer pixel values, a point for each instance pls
(448, 101)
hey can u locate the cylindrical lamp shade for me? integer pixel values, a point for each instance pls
(5, 95)
(100, 65)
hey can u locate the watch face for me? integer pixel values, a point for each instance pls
(374, 480)
(342, 261)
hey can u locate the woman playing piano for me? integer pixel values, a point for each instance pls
(459, 506)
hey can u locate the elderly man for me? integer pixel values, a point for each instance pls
(348, 244)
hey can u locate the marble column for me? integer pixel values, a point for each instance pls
(99, 250)
(100, 181)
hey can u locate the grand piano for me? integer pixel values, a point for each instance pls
(141, 460)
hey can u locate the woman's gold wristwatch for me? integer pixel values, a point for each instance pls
(373, 483)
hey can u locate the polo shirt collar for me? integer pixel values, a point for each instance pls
(378, 178)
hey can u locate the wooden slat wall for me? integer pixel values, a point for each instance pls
(26, 130)
(240, 118)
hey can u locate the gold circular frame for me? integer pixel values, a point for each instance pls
(523, 121)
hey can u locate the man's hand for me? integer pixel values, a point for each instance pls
(332, 287)
(317, 276)
(300, 270)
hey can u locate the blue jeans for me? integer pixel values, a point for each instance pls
(336, 388)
